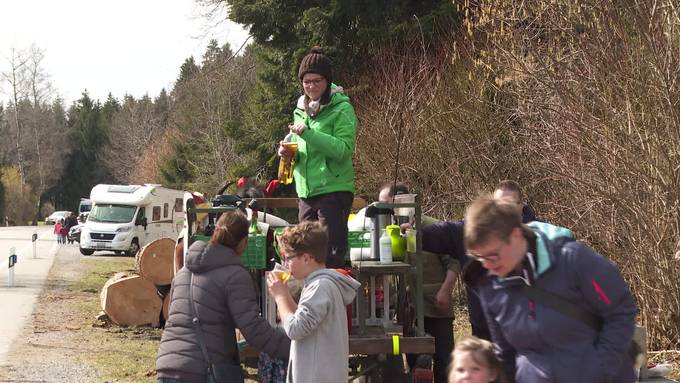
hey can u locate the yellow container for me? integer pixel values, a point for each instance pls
(287, 164)
(398, 242)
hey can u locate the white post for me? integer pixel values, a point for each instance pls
(10, 269)
(34, 239)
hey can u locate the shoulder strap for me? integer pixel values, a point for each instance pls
(563, 306)
(197, 324)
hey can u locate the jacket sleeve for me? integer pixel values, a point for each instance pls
(446, 240)
(504, 351)
(245, 311)
(604, 290)
(312, 309)
(340, 145)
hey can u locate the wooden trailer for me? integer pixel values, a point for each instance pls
(377, 342)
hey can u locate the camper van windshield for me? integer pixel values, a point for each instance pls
(85, 206)
(112, 213)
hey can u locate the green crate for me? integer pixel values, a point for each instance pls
(359, 239)
(255, 256)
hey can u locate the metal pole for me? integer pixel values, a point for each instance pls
(420, 315)
(10, 269)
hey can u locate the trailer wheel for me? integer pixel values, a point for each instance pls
(134, 248)
(86, 251)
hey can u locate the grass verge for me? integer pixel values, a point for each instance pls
(120, 354)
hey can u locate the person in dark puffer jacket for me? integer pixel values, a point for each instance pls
(225, 300)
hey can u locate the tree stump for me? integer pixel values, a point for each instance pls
(131, 301)
(155, 261)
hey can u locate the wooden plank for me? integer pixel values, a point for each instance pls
(383, 345)
(375, 267)
(292, 203)
(373, 346)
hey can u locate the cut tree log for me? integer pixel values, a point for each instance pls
(155, 261)
(131, 301)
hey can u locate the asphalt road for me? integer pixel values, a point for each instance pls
(17, 302)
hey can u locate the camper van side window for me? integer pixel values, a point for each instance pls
(178, 205)
(156, 214)
(165, 210)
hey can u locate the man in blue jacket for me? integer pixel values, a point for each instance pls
(537, 341)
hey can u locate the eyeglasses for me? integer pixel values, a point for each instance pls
(288, 259)
(315, 82)
(490, 257)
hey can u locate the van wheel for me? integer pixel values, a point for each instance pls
(134, 248)
(86, 251)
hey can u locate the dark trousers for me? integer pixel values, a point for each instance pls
(441, 329)
(332, 210)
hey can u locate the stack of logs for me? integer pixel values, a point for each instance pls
(135, 300)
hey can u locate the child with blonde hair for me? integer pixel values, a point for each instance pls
(473, 361)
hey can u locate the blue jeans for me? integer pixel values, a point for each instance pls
(169, 380)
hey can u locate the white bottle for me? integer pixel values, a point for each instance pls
(385, 248)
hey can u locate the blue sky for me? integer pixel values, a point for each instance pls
(124, 46)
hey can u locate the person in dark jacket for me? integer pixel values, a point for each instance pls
(324, 127)
(538, 342)
(510, 189)
(225, 300)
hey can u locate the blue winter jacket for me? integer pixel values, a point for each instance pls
(538, 344)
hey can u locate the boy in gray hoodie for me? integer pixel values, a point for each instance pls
(317, 325)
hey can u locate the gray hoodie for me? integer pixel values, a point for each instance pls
(318, 329)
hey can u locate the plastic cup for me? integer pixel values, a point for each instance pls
(411, 241)
(281, 272)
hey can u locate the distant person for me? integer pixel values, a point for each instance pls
(473, 361)
(324, 127)
(71, 221)
(511, 189)
(317, 324)
(558, 311)
(203, 334)
(57, 230)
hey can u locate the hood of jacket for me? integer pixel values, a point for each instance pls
(202, 257)
(347, 285)
(337, 96)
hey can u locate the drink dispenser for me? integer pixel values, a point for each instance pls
(381, 218)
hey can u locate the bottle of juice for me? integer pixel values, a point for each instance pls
(287, 163)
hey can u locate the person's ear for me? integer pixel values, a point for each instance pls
(493, 375)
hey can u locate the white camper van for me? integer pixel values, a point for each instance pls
(126, 217)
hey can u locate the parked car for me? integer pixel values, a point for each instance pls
(74, 233)
(56, 216)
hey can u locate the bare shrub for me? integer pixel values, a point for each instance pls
(578, 101)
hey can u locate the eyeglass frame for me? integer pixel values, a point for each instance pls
(315, 82)
(287, 260)
(493, 257)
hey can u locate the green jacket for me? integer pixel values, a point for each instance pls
(325, 149)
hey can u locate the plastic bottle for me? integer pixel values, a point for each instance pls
(385, 248)
(286, 163)
(253, 229)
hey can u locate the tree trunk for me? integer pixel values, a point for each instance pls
(131, 301)
(155, 261)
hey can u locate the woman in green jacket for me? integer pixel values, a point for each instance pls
(324, 127)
